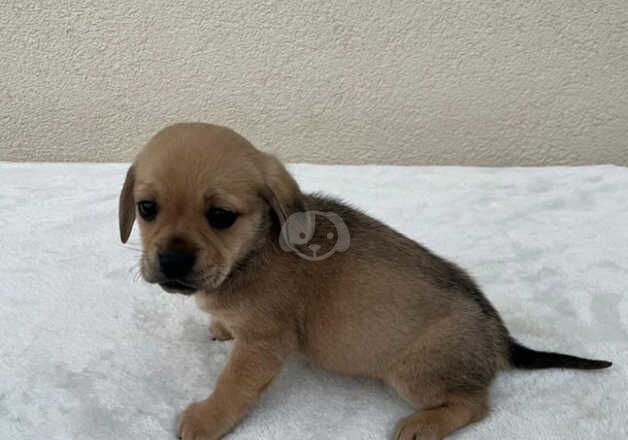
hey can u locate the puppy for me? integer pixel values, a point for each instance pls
(226, 222)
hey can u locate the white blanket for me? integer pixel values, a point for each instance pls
(89, 351)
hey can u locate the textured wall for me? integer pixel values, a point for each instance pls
(446, 82)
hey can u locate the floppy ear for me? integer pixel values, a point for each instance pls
(280, 190)
(126, 206)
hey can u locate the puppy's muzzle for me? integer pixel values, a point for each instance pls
(176, 265)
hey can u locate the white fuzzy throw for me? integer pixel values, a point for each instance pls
(89, 351)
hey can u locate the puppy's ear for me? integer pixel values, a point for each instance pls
(126, 206)
(280, 190)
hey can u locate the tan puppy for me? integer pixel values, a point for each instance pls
(227, 222)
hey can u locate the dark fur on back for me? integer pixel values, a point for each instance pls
(450, 278)
(432, 268)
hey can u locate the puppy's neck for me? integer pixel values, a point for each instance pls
(247, 270)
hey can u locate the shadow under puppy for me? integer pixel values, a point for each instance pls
(214, 216)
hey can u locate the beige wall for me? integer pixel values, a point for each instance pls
(484, 82)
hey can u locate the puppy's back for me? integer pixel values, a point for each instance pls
(384, 293)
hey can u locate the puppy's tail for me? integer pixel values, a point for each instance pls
(526, 358)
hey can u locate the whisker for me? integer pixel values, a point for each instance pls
(137, 277)
(132, 248)
(135, 271)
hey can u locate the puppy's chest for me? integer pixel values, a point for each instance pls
(219, 308)
(239, 315)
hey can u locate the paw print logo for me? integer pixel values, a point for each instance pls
(314, 235)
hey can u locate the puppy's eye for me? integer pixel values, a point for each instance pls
(220, 218)
(148, 210)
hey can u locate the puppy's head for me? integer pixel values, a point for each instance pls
(206, 201)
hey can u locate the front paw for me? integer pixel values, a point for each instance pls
(415, 427)
(200, 421)
(219, 331)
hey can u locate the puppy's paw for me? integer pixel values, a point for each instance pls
(416, 427)
(200, 422)
(219, 331)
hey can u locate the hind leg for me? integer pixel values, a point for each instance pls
(446, 398)
(437, 423)
(446, 378)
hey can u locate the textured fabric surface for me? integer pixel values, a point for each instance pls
(89, 351)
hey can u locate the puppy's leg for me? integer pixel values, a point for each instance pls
(445, 374)
(439, 422)
(251, 367)
(219, 331)
(447, 399)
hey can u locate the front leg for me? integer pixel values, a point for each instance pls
(250, 368)
(219, 331)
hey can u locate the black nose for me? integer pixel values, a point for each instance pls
(176, 264)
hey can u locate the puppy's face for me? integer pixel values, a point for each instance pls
(205, 201)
